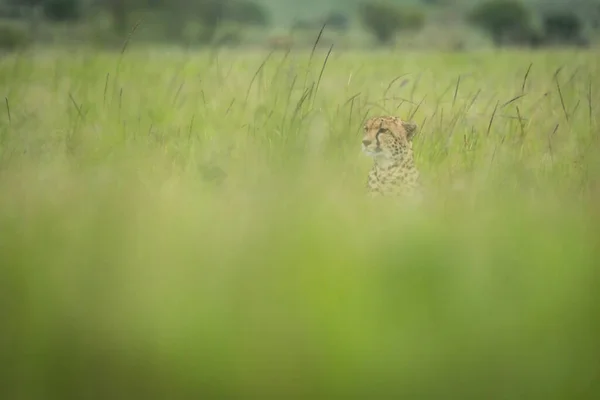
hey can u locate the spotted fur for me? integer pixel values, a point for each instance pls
(389, 141)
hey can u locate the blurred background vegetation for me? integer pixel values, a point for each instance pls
(286, 23)
(183, 211)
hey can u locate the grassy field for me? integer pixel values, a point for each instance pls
(178, 225)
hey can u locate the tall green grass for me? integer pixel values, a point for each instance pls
(178, 225)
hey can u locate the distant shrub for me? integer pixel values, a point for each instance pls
(54, 10)
(526, 36)
(247, 13)
(437, 2)
(62, 10)
(13, 37)
(337, 21)
(213, 13)
(412, 19)
(594, 16)
(563, 27)
(384, 20)
(23, 3)
(504, 20)
(303, 25)
(210, 14)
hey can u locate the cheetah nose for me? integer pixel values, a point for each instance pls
(366, 142)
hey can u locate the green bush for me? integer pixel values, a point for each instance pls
(210, 14)
(563, 27)
(412, 19)
(334, 21)
(247, 13)
(13, 37)
(504, 20)
(337, 21)
(384, 20)
(62, 10)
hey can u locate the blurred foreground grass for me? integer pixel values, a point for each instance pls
(126, 272)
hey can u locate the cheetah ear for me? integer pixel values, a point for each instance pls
(411, 129)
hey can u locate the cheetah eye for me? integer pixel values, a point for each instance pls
(380, 131)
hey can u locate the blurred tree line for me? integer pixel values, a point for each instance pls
(505, 22)
(208, 12)
(514, 22)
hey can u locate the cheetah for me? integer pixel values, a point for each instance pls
(388, 140)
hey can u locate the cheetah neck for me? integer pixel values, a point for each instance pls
(393, 176)
(394, 164)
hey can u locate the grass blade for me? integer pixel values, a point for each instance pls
(8, 110)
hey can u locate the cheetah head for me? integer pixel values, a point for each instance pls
(388, 139)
